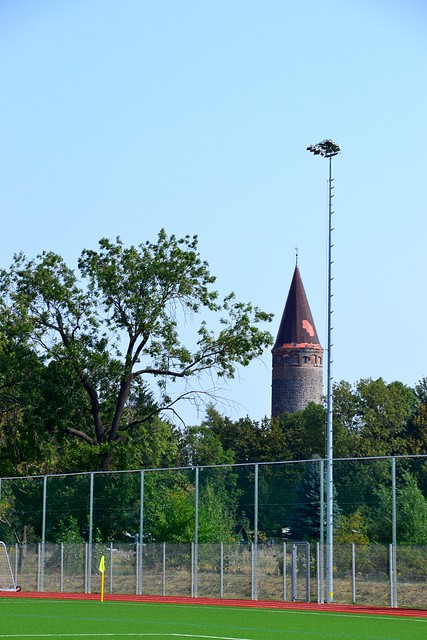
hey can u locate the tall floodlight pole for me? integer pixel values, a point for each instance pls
(329, 149)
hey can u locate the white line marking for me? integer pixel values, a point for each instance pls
(118, 635)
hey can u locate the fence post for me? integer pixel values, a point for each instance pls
(141, 530)
(89, 553)
(196, 533)
(61, 579)
(318, 572)
(17, 550)
(163, 568)
(394, 536)
(38, 565)
(284, 571)
(321, 594)
(221, 570)
(137, 568)
(253, 571)
(353, 573)
(390, 572)
(294, 573)
(44, 509)
(255, 545)
(192, 569)
(111, 566)
(43, 534)
(86, 569)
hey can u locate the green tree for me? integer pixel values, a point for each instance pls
(352, 529)
(248, 440)
(373, 416)
(171, 508)
(306, 519)
(216, 513)
(411, 513)
(291, 437)
(21, 509)
(421, 391)
(304, 433)
(39, 401)
(118, 326)
(201, 446)
(417, 426)
(24, 449)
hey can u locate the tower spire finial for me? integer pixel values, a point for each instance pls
(296, 256)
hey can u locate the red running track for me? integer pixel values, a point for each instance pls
(269, 604)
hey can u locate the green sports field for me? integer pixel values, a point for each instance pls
(23, 618)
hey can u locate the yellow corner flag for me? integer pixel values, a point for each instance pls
(101, 568)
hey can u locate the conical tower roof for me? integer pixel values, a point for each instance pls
(297, 327)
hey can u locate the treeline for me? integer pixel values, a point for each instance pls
(78, 349)
(387, 420)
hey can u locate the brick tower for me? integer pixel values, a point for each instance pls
(297, 355)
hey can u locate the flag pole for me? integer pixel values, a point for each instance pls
(102, 570)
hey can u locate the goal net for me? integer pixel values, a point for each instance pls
(7, 581)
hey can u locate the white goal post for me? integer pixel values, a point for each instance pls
(7, 581)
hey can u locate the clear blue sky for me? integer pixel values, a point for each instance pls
(119, 117)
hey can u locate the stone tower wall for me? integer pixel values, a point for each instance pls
(297, 379)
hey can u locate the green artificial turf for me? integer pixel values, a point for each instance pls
(80, 620)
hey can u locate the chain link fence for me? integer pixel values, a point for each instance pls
(234, 531)
(279, 571)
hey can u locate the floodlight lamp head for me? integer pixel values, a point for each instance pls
(326, 148)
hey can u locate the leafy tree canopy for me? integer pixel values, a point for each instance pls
(117, 324)
(411, 512)
(307, 519)
(374, 415)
